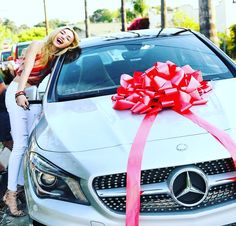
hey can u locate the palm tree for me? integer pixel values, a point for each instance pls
(123, 15)
(207, 20)
(163, 14)
(87, 34)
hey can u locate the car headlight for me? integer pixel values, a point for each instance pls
(49, 181)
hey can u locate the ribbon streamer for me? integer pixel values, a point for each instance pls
(134, 170)
(220, 135)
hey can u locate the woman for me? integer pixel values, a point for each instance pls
(36, 64)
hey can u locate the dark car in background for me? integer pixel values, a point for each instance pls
(4, 62)
(4, 55)
(75, 167)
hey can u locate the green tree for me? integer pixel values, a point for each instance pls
(140, 7)
(181, 19)
(54, 23)
(6, 36)
(231, 42)
(157, 9)
(23, 27)
(102, 15)
(10, 25)
(116, 14)
(35, 33)
(130, 15)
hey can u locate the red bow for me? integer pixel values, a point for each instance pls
(162, 86)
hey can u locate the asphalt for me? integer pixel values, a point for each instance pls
(7, 220)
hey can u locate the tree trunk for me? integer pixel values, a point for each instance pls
(163, 14)
(45, 16)
(87, 33)
(207, 20)
(123, 15)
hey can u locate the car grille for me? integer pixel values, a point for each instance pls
(163, 202)
(161, 174)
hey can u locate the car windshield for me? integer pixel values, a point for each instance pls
(20, 49)
(98, 69)
(5, 55)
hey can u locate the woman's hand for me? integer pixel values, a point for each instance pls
(22, 102)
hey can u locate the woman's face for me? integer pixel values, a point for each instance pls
(63, 39)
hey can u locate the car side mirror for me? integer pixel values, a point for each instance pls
(33, 95)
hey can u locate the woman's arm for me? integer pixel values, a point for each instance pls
(30, 55)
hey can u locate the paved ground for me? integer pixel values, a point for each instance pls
(6, 220)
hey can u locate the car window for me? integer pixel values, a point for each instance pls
(100, 68)
(20, 49)
(5, 55)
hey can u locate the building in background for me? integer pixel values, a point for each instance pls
(224, 13)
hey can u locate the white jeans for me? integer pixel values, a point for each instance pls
(21, 125)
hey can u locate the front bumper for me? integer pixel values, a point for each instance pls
(59, 213)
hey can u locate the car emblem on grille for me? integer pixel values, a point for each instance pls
(188, 186)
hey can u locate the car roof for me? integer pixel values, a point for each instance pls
(23, 43)
(6, 51)
(116, 37)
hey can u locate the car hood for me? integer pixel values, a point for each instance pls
(92, 126)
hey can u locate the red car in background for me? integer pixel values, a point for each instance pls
(139, 23)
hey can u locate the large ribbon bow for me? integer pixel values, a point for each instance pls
(162, 86)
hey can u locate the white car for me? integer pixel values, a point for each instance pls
(76, 165)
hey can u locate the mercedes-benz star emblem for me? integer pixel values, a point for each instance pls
(181, 147)
(188, 186)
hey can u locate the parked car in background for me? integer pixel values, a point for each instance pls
(17, 48)
(4, 63)
(4, 55)
(139, 23)
(75, 167)
(17, 51)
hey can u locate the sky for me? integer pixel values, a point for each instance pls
(31, 12)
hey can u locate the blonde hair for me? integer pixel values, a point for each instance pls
(49, 43)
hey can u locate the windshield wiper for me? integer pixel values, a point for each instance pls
(159, 32)
(176, 33)
(87, 94)
(108, 38)
(136, 33)
(182, 31)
